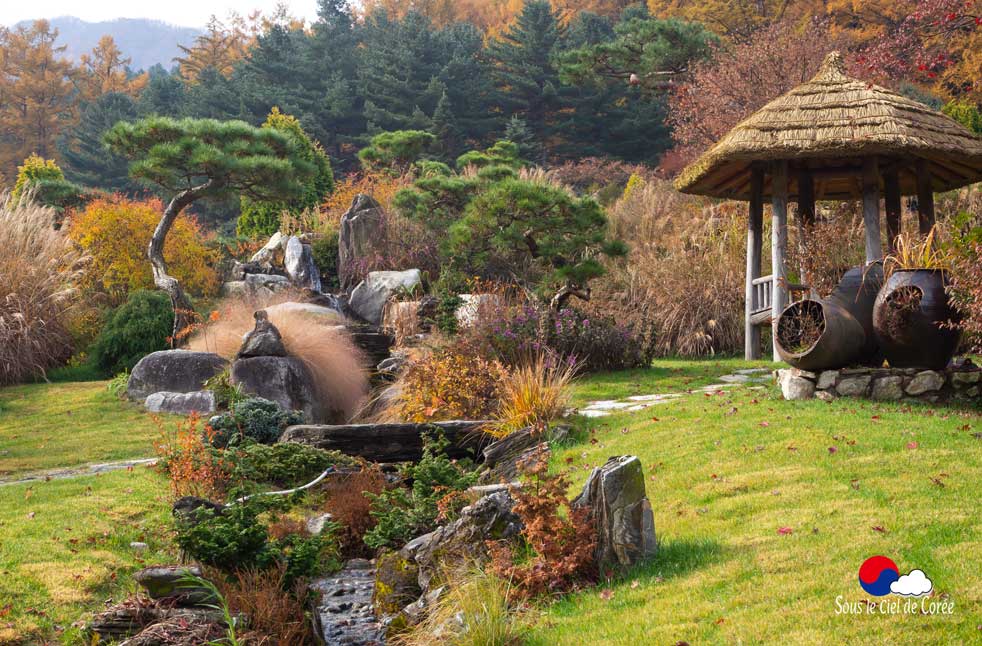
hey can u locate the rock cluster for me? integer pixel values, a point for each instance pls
(172, 381)
(961, 383)
(284, 261)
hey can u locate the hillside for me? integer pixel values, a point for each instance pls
(147, 42)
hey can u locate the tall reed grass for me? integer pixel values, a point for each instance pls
(38, 270)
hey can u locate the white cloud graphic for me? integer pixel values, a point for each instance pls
(914, 584)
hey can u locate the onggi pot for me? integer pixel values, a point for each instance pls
(912, 319)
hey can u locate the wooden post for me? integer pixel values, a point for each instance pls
(806, 196)
(779, 245)
(755, 229)
(891, 195)
(925, 198)
(871, 209)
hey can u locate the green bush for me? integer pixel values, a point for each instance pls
(325, 252)
(226, 393)
(285, 465)
(403, 513)
(141, 325)
(237, 539)
(254, 418)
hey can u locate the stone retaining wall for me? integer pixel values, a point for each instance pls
(884, 384)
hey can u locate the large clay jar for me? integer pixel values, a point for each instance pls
(856, 293)
(912, 318)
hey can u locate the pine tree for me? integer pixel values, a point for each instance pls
(35, 94)
(517, 132)
(468, 85)
(397, 64)
(524, 72)
(164, 94)
(86, 159)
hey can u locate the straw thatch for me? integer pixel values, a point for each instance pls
(828, 125)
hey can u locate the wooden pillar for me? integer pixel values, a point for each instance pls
(755, 232)
(925, 198)
(891, 195)
(871, 209)
(779, 244)
(806, 197)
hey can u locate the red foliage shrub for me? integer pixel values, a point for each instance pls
(194, 467)
(562, 539)
(348, 505)
(275, 617)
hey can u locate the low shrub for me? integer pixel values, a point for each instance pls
(237, 539)
(140, 326)
(325, 252)
(560, 539)
(449, 384)
(335, 362)
(517, 334)
(403, 513)
(277, 611)
(533, 395)
(226, 393)
(349, 501)
(193, 465)
(256, 419)
(114, 233)
(38, 271)
(285, 465)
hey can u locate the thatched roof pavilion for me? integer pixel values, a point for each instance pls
(835, 138)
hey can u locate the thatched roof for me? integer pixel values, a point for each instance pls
(829, 124)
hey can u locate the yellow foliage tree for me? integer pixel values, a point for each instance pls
(104, 70)
(115, 233)
(220, 47)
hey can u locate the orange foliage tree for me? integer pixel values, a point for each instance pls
(115, 233)
(103, 70)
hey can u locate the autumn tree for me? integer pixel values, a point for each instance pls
(195, 159)
(740, 79)
(35, 94)
(219, 48)
(105, 70)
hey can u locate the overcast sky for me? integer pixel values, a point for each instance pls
(186, 13)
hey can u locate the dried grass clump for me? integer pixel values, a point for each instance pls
(533, 394)
(276, 612)
(38, 269)
(320, 341)
(476, 611)
(347, 503)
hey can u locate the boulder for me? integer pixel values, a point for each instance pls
(173, 371)
(360, 227)
(461, 544)
(501, 458)
(202, 401)
(268, 255)
(263, 341)
(853, 386)
(389, 442)
(625, 525)
(827, 379)
(271, 282)
(888, 388)
(298, 260)
(242, 269)
(170, 582)
(286, 381)
(925, 382)
(369, 297)
(185, 509)
(317, 312)
(396, 583)
(795, 387)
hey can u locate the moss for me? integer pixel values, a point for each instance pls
(396, 583)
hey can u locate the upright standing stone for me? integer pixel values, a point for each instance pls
(360, 227)
(621, 511)
(298, 261)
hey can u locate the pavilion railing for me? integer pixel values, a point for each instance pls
(762, 292)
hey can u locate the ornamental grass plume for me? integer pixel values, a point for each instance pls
(534, 394)
(38, 270)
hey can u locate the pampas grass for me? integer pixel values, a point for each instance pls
(38, 266)
(321, 342)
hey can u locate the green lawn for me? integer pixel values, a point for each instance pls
(65, 548)
(46, 426)
(729, 474)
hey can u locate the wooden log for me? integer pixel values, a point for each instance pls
(925, 198)
(391, 442)
(891, 196)
(755, 229)
(779, 245)
(871, 209)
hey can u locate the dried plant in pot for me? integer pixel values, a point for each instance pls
(819, 335)
(914, 320)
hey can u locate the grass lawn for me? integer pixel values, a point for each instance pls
(65, 548)
(765, 510)
(46, 426)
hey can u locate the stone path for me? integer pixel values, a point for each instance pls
(75, 472)
(345, 610)
(606, 407)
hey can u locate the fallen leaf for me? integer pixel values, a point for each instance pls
(634, 584)
(607, 594)
(784, 531)
(879, 528)
(832, 449)
(912, 445)
(30, 515)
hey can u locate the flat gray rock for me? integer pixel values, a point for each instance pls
(202, 401)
